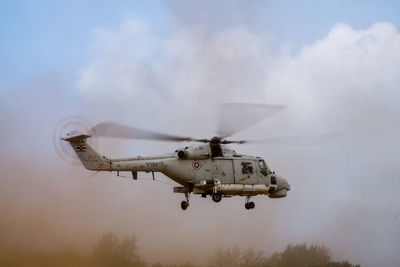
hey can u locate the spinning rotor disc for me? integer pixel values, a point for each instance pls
(71, 125)
(250, 115)
(227, 127)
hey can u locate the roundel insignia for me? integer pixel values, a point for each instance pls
(196, 165)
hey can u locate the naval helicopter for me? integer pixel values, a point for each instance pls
(209, 168)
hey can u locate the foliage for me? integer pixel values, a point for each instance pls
(110, 251)
(113, 251)
(300, 255)
(293, 256)
(236, 258)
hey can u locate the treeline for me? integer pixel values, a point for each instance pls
(113, 251)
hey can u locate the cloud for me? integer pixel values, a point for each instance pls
(187, 63)
(347, 81)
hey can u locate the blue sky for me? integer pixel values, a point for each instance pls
(53, 36)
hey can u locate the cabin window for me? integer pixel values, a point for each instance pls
(247, 168)
(273, 180)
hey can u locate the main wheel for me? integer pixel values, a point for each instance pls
(216, 197)
(247, 206)
(251, 205)
(184, 205)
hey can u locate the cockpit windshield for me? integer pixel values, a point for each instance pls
(263, 167)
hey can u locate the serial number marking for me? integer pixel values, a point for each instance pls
(92, 157)
(155, 164)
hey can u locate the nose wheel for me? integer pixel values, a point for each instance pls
(249, 204)
(185, 204)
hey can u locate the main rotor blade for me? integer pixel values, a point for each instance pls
(234, 117)
(116, 130)
(303, 140)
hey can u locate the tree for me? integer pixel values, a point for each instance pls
(229, 257)
(337, 264)
(237, 258)
(251, 258)
(111, 251)
(301, 255)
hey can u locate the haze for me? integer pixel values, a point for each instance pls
(163, 65)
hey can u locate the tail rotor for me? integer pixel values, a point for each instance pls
(68, 126)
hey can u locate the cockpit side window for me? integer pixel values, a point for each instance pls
(247, 168)
(263, 167)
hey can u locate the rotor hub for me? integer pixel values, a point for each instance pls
(215, 140)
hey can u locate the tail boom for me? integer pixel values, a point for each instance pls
(90, 159)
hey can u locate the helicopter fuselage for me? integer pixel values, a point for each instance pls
(207, 169)
(231, 174)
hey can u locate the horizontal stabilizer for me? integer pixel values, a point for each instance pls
(90, 159)
(76, 138)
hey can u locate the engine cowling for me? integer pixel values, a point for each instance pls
(195, 152)
(183, 154)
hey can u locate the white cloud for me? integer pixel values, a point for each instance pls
(350, 74)
(347, 81)
(191, 66)
(122, 61)
(134, 62)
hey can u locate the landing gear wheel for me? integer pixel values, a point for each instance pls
(184, 205)
(251, 205)
(216, 197)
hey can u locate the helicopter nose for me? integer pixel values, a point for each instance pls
(282, 187)
(283, 183)
(286, 185)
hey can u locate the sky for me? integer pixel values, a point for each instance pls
(162, 66)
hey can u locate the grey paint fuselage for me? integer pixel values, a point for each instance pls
(224, 169)
(195, 169)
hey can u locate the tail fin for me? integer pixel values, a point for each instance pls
(90, 159)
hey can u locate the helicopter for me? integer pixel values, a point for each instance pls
(210, 168)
